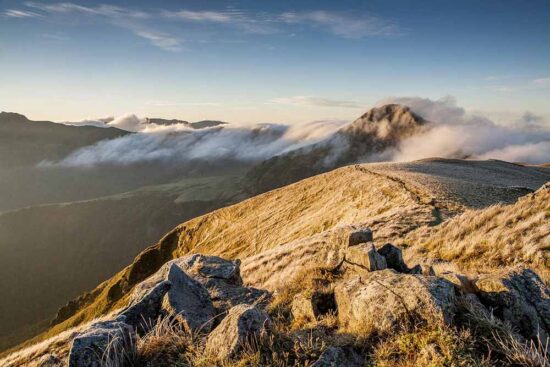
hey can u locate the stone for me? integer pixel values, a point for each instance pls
(394, 257)
(213, 267)
(365, 257)
(360, 236)
(146, 303)
(188, 301)
(242, 324)
(337, 357)
(309, 307)
(518, 296)
(422, 269)
(100, 344)
(461, 282)
(383, 301)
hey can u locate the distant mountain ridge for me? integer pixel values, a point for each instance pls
(195, 125)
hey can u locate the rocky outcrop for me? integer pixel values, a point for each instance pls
(242, 324)
(364, 257)
(518, 296)
(145, 306)
(385, 300)
(310, 306)
(359, 236)
(101, 344)
(394, 257)
(188, 301)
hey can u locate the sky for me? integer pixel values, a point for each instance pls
(270, 61)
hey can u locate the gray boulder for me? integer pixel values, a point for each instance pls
(101, 344)
(364, 257)
(385, 300)
(394, 257)
(145, 306)
(242, 324)
(308, 307)
(188, 301)
(518, 296)
(360, 236)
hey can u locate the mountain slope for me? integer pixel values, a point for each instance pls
(312, 215)
(26, 143)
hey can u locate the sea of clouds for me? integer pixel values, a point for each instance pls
(453, 133)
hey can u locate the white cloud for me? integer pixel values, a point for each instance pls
(160, 39)
(316, 102)
(541, 81)
(15, 13)
(344, 24)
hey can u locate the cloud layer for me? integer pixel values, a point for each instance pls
(455, 133)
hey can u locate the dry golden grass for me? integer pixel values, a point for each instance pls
(498, 236)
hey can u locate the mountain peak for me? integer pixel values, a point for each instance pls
(12, 116)
(394, 113)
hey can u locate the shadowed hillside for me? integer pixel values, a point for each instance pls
(310, 215)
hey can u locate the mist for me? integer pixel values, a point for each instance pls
(455, 133)
(179, 142)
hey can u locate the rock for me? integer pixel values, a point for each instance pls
(101, 344)
(188, 301)
(146, 304)
(385, 300)
(213, 267)
(394, 257)
(337, 357)
(423, 269)
(310, 307)
(365, 257)
(222, 279)
(518, 296)
(242, 324)
(461, 282)
(360, 236)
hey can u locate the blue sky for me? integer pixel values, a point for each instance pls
(276, 61)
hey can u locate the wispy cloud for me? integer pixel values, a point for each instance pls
(150, 24)
(15, 13)
(315, 101)
(344, 24)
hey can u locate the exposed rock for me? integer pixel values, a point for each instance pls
(360, 236)
(146, 304)
(241, 325)
(518, 296)
(394, 257)
(384, 300)
(222, 279)
(100, 343)
(365, 257)
(337, 357)
(422, 269)
(461, 282)
(188, 301)
(310, 307)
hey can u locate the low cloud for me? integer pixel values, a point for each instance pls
(455, 133)
(179, 143)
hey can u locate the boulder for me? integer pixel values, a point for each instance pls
(385, 300)
(364, 257)
(337, 357)
(222, 280)
(188, 301)
(422, 269)
(145, 306)
(101, 344)
(394, 257)
(242, 324)
(461, 282)
(360, 236)
(518, 296)
(309, 307)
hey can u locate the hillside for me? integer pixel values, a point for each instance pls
(304, 223)
(74, 246)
